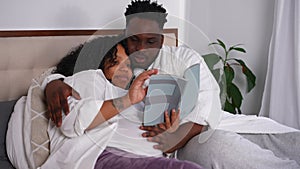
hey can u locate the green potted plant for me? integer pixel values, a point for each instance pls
(223, 71)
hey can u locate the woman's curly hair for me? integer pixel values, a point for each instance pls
(90, 55)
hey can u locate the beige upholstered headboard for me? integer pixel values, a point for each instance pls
(26, 54)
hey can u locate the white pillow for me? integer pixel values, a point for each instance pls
(14, 137)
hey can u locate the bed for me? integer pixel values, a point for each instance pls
(26, 58)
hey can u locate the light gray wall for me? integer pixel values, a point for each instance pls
(60, 14)
(199, 21)
(70, 14)
(237, 21)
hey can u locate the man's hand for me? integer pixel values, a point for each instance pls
(164, 133)
(169, 142)
(56, 94)
(166, 142)
(170, 125)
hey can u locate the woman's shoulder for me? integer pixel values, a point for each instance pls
(89, 74)
(87, 82)
(86, 77)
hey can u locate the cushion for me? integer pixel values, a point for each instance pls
(36, 123)
(6, 109)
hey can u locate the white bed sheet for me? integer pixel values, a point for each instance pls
(15, 143)
(252, 124)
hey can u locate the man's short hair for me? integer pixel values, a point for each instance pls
(147, 10)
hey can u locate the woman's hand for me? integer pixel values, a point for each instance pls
(136, 91)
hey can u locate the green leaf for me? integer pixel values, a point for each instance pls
(239, 110)
(229, 73)
(251, 78)
(238, 49)
(216, 74)
(241, 62)
(213, 43)
(222, 44)
(211, 59)
(235, 94)
(229, 107)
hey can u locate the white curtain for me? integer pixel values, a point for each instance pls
(281, 98)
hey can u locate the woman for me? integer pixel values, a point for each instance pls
(83, 138)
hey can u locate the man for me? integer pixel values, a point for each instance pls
(144, 32)
(144, 26)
